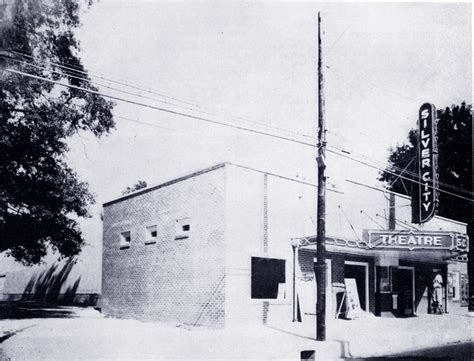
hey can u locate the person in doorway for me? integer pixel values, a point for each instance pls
(438, 293)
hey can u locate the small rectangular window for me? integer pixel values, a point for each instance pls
(151, 234)
(267, 277)
(183, 228)
(125, 239)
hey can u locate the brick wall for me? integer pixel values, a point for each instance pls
(176, 280)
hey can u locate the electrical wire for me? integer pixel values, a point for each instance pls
(403, 224)
(362, 96)
(227, 125)
(390, 116)
(373, 220)
(372, 85)
(159, 108)
(80, 71)
(391, 166)
(350, 223)
(74, 69)
(161, 127)
(399, 169)
(393, 173)
(337, 40)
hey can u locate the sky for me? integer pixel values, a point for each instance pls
(254, 65)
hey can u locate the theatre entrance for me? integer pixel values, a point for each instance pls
(403, 279)
(360, 272)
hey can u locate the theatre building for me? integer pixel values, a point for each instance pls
(231, 245)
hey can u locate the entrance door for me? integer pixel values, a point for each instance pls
(403, 285)
(360, 272)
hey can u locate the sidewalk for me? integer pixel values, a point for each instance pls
(90, 336)
(376, 336)
(111, 339)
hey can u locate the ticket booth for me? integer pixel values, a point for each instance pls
(393, 272)
(412, 270)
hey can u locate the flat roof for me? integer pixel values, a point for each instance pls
(223, 164)
(155, 187)
(203, 171)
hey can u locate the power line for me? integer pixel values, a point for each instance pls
(226, 125)
(398, 177)
(141, 96)
(160, 108)
(348, 221)
(406, 224)
(101, 84)
(106, 86)
(404, 170)
(401, 170)
(373, 220)
(337, 40)
(372, 85)
(287, 178)
(363, 96)
(393, 173)
(393, 167)
(75, 69)
(390, 116)
(160, 127)
(403, 224)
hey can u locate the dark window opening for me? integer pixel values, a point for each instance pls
(383, 279)
(183, 228)
(154, 234)
(125, 239)
(267, 274)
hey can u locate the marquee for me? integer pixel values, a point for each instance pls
(413, 240)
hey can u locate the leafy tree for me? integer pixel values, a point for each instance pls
(454, 163)
(139, 185)
(41, 197)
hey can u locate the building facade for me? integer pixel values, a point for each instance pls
(231, 245)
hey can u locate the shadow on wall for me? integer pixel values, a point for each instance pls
(49, 287)
(46, 286)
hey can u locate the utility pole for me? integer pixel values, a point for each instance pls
(320, 266)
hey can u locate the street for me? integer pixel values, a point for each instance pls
(456, 351)
(83, 333)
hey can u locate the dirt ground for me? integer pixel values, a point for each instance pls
(70, 333)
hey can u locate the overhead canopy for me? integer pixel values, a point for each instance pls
(408, 245)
